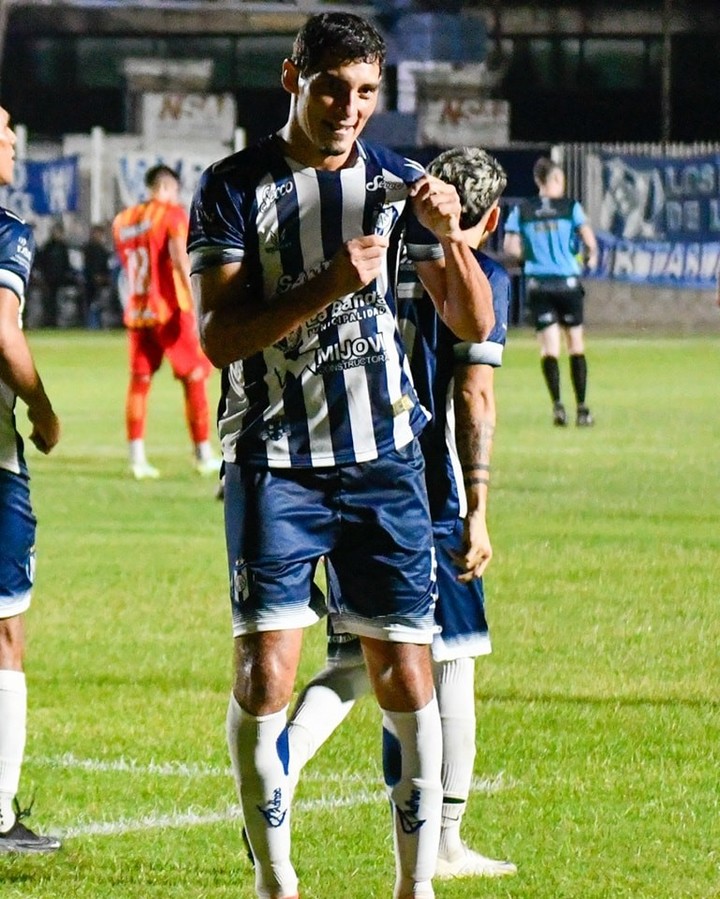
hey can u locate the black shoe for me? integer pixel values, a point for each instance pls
(21, 839)
(559, 415)
(584, 418)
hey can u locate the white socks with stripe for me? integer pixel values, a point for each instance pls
(412, 756)
(259, 754)
(455, 686)
(13, 718)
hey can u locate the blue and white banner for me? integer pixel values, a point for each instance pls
(43, 188)
(659, 219)
(132, 167)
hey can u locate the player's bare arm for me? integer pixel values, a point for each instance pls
(587, 236)
(235, 323)
(180, 259)
(474, 399)
(18, 371)
(459, 289)
(512, 246)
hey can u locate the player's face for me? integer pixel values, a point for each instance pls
(555, 184)
(7, 148)
(331, 109)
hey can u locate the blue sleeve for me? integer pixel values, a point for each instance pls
(217, 224)
(512, 222)
(17, 250)
(578, 215)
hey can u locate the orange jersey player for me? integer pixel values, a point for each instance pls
(150, 240)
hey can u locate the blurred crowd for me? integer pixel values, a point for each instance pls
(74, 286)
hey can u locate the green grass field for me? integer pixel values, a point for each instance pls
(598, 713)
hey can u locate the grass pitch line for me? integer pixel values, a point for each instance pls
(488, 785)
(195, 819)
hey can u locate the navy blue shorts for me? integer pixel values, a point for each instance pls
(371, 520)
(17, 544)
(460, 610)
(459, 613)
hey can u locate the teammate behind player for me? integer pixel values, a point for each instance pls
(455, 382)
(150, 240)
(18, 379)
(546, 233)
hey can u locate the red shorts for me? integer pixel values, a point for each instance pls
(177, 339)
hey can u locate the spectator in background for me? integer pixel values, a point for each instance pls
(53, 262)
(546, 233)
(96, 272)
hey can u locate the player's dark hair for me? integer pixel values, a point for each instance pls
(477, 176)
(155, 175)
(542, 169)
(338, 37)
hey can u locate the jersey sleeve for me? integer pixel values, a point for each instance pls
(17, 250)
(578, 215)
(490, 351)
(512, 223)
(217, 225)
(177, 223)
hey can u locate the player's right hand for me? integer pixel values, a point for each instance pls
(46, 430)
(359, 261)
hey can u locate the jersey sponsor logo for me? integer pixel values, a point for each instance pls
(353, 353)
(273, 812)
(380, 182)
(409, 818)
(271, 193)
(353, 308)
(287, 282)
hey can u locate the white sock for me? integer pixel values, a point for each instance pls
(321, 708)
(412, 756)
(13, 724)
(258, 751)
(203, 451)
(136, 450)
(455, 687)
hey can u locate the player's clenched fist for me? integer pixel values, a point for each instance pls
(359, 261)
(437, 206)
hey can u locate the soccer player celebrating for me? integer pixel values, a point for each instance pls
(293, 247)
(18, 379)
(150, 240)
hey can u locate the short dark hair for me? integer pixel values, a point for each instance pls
(155, 175)
(477, 176)
(338, 37)
(542, 169)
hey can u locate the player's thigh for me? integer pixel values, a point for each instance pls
(17, 545)
(384, 561)
(182, 348)
(278, 523)
(145, 351)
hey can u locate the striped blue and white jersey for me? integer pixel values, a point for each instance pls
(337, 390)
(17, 249)
(434, 352)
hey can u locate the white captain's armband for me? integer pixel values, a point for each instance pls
(486, 353)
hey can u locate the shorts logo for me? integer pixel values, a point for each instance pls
(273, 812)
(241, 582)
(409, 820)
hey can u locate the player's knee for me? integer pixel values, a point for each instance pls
(199, 373)
(140, 381)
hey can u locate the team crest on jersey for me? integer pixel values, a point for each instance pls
(277, 241)
(384, 219)
(273, 812)
(291, 344)
(409, 818)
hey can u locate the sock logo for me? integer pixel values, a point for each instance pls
(273, 812)
(408, 816)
